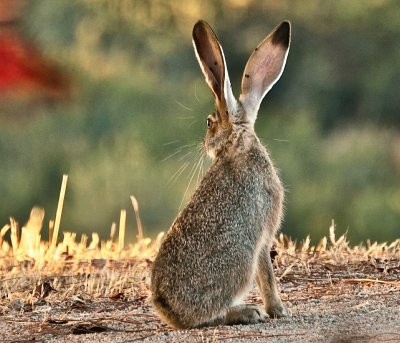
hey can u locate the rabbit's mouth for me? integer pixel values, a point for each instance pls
(217, 144)
(209, 148)
(213, 146)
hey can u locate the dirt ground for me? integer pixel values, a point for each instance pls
(332, 300)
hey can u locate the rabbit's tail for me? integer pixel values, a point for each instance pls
(167, 313)
(172, 318)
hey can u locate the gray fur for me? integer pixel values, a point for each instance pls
(219, 243)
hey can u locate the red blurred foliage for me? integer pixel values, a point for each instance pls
(23, 68)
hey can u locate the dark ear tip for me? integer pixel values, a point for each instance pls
(200, 21)
(281, 34)
(200, 25)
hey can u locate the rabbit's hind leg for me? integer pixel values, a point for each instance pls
(245, 314)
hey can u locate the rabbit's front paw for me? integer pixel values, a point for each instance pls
(279, 311)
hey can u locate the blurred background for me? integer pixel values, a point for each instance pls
(110, 93)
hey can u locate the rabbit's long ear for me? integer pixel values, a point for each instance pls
(264, 68)
(212, 62)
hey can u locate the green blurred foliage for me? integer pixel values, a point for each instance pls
(331, 123)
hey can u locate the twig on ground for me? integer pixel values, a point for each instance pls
(391, 283)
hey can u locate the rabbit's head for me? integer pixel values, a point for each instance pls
(235, 118)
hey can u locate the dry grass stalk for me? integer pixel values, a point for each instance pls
(135, 205)
(371, 281)
(14, 235)
(59, 211)
(122, 228)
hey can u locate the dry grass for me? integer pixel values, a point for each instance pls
(96, 268)
(103, 268)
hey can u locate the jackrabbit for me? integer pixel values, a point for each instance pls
(220, 242)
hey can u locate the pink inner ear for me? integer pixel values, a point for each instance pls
(265, 67)
(266, 71)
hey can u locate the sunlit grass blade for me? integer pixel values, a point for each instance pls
(135, 206)
(122, 230)
(59, 211)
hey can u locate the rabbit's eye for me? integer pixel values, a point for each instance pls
(209, 122)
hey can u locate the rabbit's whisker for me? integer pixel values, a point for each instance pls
(183, 106)
(185, 118)
(192, 173)
(200, 169)
(178, 173)
(177, 151)
(192, 123)
(200, 146)
(195, 93)
(173, 154)
(202, 166)
(183, 157)
(169, 143)
(185, 146)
